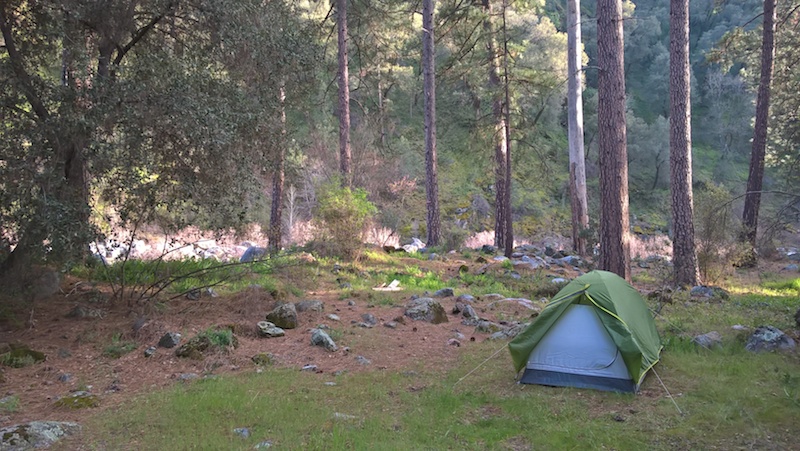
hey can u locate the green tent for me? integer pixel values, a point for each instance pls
(597, 332)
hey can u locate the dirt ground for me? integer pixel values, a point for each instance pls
(74, 346)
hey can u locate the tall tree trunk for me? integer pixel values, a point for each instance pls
(345, 157)
(577, 166)
(614, 221)
(684, 255)
(429, 80)
(509, 235)
(752, 200)
(499, 136)
(276, 212)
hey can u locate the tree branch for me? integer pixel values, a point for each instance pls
(19, 70)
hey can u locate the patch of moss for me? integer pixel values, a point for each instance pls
(78, 401)
(262, 359)
(21, 356)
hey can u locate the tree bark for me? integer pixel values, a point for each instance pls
(614, 221)
(509, 238)
(274, 236)
(499, 136)
(752, 200)
(684, 255)
(345, 156)
(429, 81)
(577, 166)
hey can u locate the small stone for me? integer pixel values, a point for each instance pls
(320, 338)
(708, 340)
(369, 319)
(465, 299)
(363, 360)
(263, 445)
(242, 432)
(444, 293)
(309, 306)
(344, 416)
(390, 324)
(558, 280)
(170, 340)
(66, 377)
(309, 367)
(187, 376)
(193, 294)
(769, 338)
(150, 351)
(351, 303)
(262, 359)
(454, 342)
(330, 384)
(269, 330)
(333, 317)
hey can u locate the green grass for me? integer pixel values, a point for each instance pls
(118, 347)
(729, 399)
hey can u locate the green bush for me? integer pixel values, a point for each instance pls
(715, 233)
(342, 215)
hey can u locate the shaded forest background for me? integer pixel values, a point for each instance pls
(174, 113)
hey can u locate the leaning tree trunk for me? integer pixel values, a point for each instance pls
(684, 255)
(429, 75)
(499, 136)
(345, 157)
(577, 166)
(752, 200)
(614, 221)
(274, 235)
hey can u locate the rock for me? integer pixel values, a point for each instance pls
(768, 338)
(708, 340)
(242, 432)
(188, 376)
(465, 299)
(363, 360)
(343, 416)
(492, 297)
(320, 338)
(468, 312)
(391, 324)
(284, 316)
(793, 256)
(333, 317)
(508, 332)
(170, 340)
(309, 306)
(454, 342)
(262, 359)
(705, 292)
(66, 377)
(269, 330)
(263, 445)
(78, 400)
(426, 309)
(500, 258)
(369, 319)
(20, 356)
(416, 246)
(253, 253)
(487, 327)
(309, 367)
(793, 267)
(488, 249)
(150, 351)
(444, 293)
(559, 280)
(193, 294)
(36, 434)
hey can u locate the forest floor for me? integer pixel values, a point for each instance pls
(77, 349)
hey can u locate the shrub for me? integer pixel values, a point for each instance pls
(342, 215)
(715, 234)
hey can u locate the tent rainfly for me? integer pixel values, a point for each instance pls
(597, 332)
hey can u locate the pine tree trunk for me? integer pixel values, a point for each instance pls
(509, 235)
(614, 221)
(274, 235)
(429, 75)
(499, 136)
(577, 166)
(755, 180)
(684, 255)
(345, 157)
